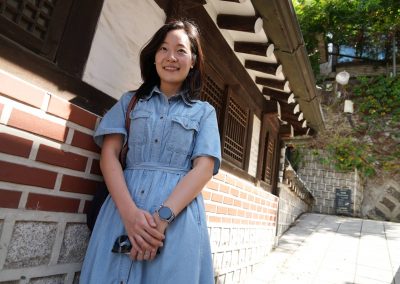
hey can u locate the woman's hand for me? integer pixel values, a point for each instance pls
(143, 234)
(161, 226)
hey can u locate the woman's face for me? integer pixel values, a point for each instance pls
(173, 61)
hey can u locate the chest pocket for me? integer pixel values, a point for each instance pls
(139, 129)
(182, 135)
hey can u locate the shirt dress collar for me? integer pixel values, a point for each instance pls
(180, 94)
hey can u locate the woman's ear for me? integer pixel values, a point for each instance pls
(194, 58)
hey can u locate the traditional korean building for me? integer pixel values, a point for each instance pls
(64, 63)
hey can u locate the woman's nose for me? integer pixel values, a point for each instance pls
(171, 57)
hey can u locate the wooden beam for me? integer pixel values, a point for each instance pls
(269, 68)
(251, 24)
(286, 130)
(291, 109)
(236, 1)
(272, 83)
(277, 95)
(256, 48)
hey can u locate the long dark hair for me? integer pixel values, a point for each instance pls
(194, 80)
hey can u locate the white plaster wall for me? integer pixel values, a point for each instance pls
(124, 27)
(255, 141)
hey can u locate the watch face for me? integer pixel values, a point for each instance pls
(165, 213)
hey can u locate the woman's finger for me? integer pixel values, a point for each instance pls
(151, 240)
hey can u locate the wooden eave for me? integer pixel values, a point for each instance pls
(274, 57)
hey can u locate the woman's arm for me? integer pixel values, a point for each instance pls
(139, 224)
(191, 185)
(187, 189)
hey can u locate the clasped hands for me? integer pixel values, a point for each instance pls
(146, 234)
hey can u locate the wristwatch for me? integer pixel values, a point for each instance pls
(165, 213)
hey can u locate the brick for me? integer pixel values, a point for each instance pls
(36, 125)
(217, 197)
(243, 195)
(226, 220)
(235, 192)
(222, 210)
(246, 205)
(230, 180)
(228, 200)
(251, 197)
(71, 112)
(84, 141)
(15, 145)
(78, 185)
(220, 176)
(211, 208)
(95, 169)
(241, 213)
(52, 203)
(87, 206)
(26, 175)
(237, 203)
(214, 219)
(237, 221)
(206, 195)
(57, 157)
(258, 200)
(224, 188)
(240, 184)
(21, 91)
(248, 214)
(9, 198)
(232, 211)
(212, 185)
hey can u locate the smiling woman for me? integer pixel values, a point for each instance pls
(154, 220)
(173, 61)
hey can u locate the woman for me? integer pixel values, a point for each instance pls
(174, 149)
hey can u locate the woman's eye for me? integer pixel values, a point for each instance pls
(163, 48)
(182, 51)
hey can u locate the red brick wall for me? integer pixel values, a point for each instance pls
(48, 160)
(231, 200)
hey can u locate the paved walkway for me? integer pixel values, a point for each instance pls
(325, 249)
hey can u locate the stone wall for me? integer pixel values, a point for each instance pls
(382, 199)
(292, 203)
(323, 180)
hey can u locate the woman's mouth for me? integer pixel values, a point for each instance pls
(171, 68)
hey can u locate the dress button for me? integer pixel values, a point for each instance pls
(161, 117)
(156, 140)
(142, 191)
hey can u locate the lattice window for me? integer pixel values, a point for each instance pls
(236, 132)
(213, 94)
(33, 16)
(35, 24)
(269, 159)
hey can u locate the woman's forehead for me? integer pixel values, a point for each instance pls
(177, 37)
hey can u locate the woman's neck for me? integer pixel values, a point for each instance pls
(170, 91)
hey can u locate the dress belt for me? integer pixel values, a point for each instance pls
(155, 167)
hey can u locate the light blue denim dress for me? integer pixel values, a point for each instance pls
(165, 137)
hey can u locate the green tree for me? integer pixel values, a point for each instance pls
(368, 26)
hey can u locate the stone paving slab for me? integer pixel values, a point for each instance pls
(334, 250)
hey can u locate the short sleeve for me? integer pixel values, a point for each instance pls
(208, 141)
(113, 121)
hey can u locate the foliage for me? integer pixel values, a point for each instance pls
(373, 145)
(378, 97)
(366, 25)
